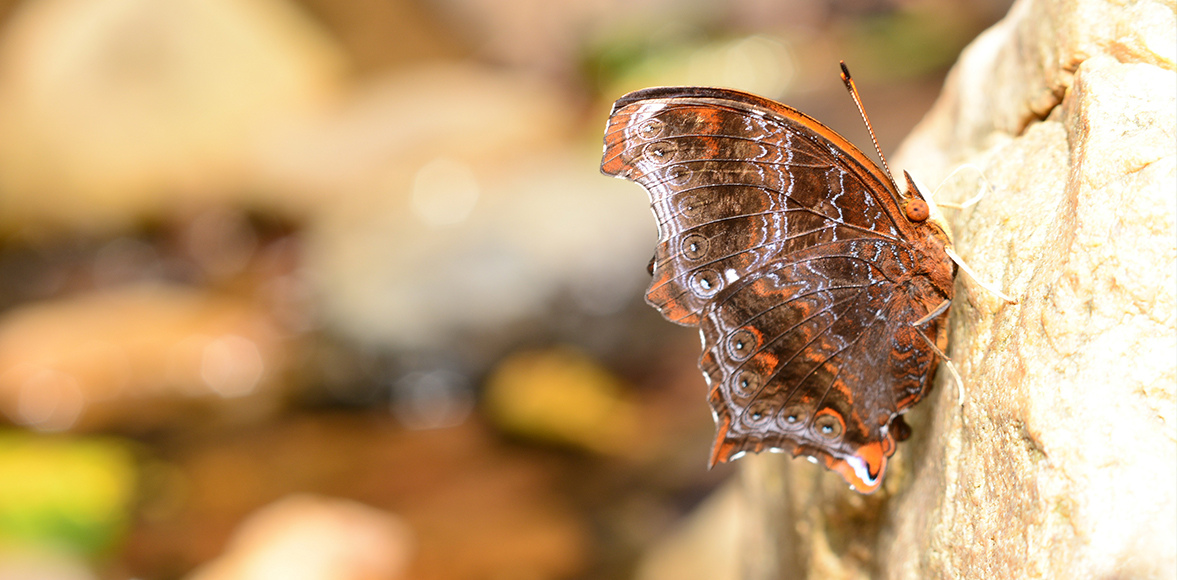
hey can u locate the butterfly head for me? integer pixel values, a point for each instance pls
(919, 207)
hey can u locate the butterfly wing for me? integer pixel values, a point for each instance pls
(790, 249)
(815, 356)
(735, 181)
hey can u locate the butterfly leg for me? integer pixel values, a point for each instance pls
(943, 307)
(947, 361)
(973, 275)
(973, 201)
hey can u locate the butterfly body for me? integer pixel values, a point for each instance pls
(803, 267)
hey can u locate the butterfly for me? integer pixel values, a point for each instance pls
(820, 289)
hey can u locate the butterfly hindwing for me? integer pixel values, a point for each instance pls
(798, 358)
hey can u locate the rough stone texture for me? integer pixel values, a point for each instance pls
(1061, 461)
(737, 533)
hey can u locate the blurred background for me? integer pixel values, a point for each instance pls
(334, 288)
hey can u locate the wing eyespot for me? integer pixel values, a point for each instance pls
(794, 417)
(759, 413)
(706, 283)
(690, 206)
(651, 128)
(746, 383)
(742, 344)
(678, 175)
(828, 425)
(660, 152)
(695, 246)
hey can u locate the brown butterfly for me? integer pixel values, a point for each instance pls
(820, 290)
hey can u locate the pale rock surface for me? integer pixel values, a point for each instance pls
(736, 533)
(715, 524)
(1061, 461)
(306, 537)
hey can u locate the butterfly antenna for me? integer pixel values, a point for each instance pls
(850, 86)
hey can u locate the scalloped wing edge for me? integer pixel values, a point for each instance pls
(863, 469)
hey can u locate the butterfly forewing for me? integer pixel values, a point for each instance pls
(733, 185)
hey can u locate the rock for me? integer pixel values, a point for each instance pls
(735, 533)
(1061, 460)
(305, 537)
